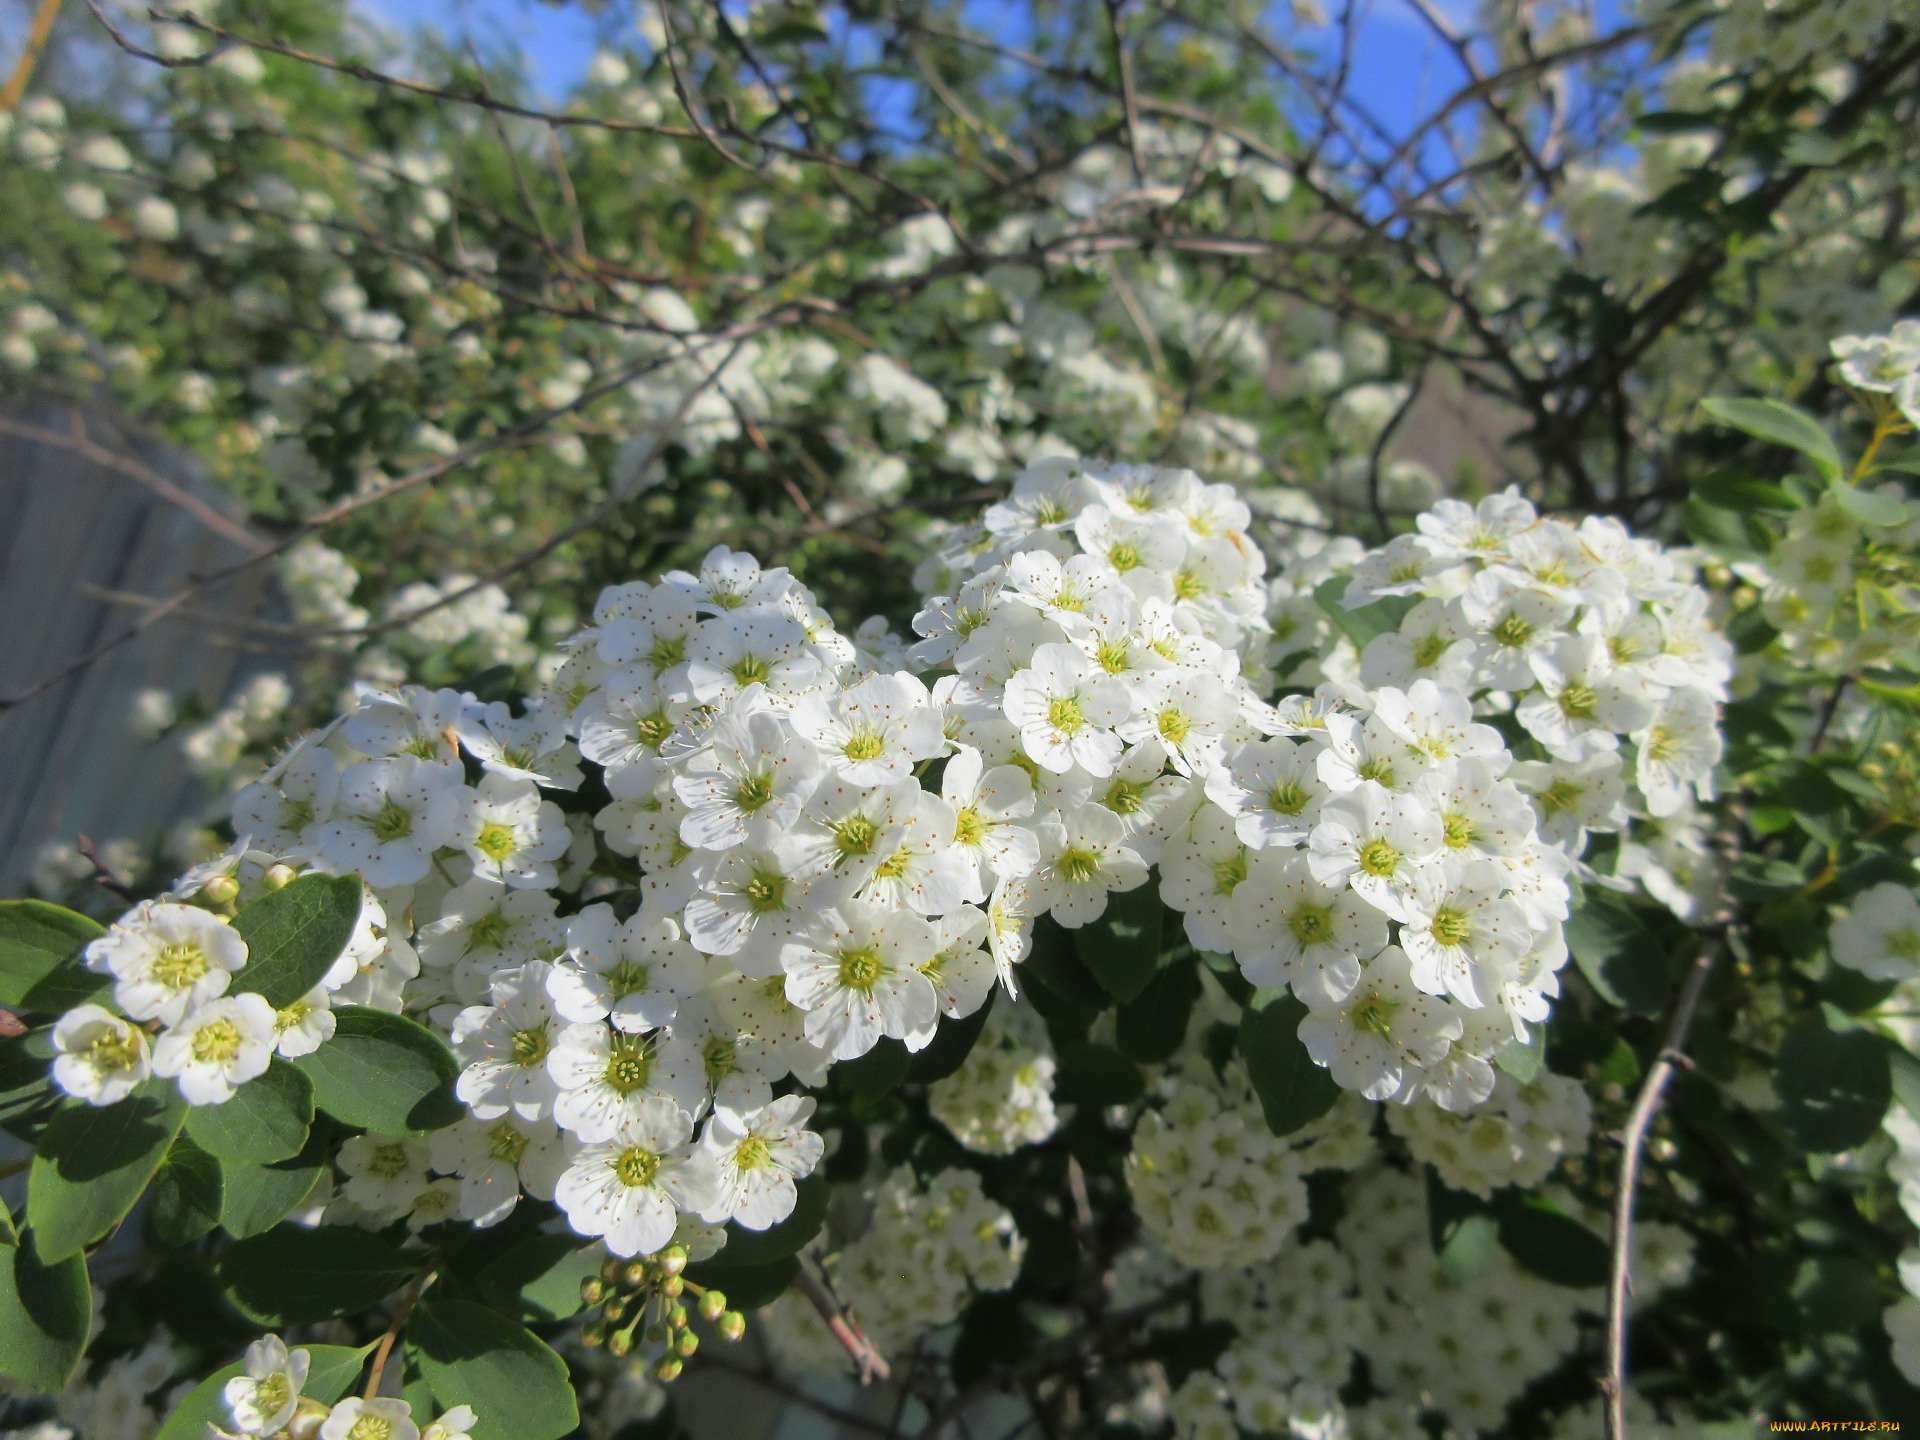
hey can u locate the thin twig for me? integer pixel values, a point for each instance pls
(79, 442)
(102, 876)
(1619, 1274)
(872, 1364)
(37, 38)
(399, 1323)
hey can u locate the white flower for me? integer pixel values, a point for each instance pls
(385, 829)
(1188, 711)
(1272, 790)
(1460, 936)
(412, 721)
(1065, 707)
(1358, 751)
(846, 830)
(1481, 815)
(961, 971)
(357, 1419)
(99, 1057)
(1201, 868)
(484, 928)
(1678, 750)
(855, 970)
(1376, 842)
(985, 805)
(1455, 530)
(1881, 935)
(167, 959)
(748, 786)
(1431, 644)
(1290, 929)
(496, 1160)
(453, 1425)
(221, 1045)
(281, 814)
(1078, 594)
(531, 747)
(385, 1173)
(758, 1159)
(630, 1189)
(506, 829)
(1083, 858)
(875, 732)
(1010, 912)
(1582, 707)
(504, 1046)
(262, 1401)
(1511, 627)
(607, 1076)
(1573, 798)
(1369, 1039)
(1436, 722)
(1879, 362)
(636, 974)
(925, 872)
(747, 648)
(749, 903)
(306, 1024)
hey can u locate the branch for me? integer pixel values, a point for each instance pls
(1619, 1280)
(873, 1365)
(400, 1318)
(37, 38)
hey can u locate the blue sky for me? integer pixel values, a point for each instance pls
(1400, 69)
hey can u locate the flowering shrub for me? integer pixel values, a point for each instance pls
(1246, 943)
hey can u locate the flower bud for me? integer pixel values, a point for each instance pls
(220, 890)
(278, 877)
(732, 1325)
(668, 1369)
(634, 1275)
(611, 1272)
(687, 1343)
(712, 1305)
(672, 1286)
(592, 1290)
(673, 1260)
(619, 1343)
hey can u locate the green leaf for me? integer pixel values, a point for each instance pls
(267, 1118)
(187, 1195)
(950, 1046)
(1730, 490)
(1619, 955)
(1150, 1027)
(259, 1197)
(540, 1278)
(1292, 1089)
(46, 1314)
(295, 1276)
(750, 1248)
(331, 1371)
(1122, 947)
(26, 1082)
(1095, 1075)
(470, 1355)
(1882, 506)
(1834, 1086)
(295, 934)
(1523, 1060)
(1543, 1238)
(1781, 424)
(749, 1287)
(876, 1074)
(93, 1162)
(35, 940)
(1364, 622)
(383, 1073)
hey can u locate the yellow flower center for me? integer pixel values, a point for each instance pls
(652, 730)
(636, 1167)
(765, 892)
(1577, 702)
(1561, 796)
(1512, 631)
(1379, 858)
(114, 1049)
(392, 821)
(860, 969)
(178, 966)
(751, 670)
(1451, 926)
(855, 836)
(1173, 726)
(1457, 831)
(504, 1142)
(1077, 866)
(865, 743)
(1311, 924)
(629, 1063)
(1065, 715)
(1373, 1013)
(969, 828)
(217, 1042)
(495, 841)
(1124, 557)
(1287, 798)
(530, 1047)
(752, 792)
(371, 1427)
(752, 1154)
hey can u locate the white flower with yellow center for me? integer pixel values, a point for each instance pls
(605, 1077)
(757, 1157)
(1273, 791)
(1065, 707)
(504, 1046)
(635, 974)
(217, 1048)
(1376, 842)
(506, 829)
(1083, 859)
(874, 732)
(1460, 936)
(385, 1173)
(98, 1057)
(495, 1160)
(987, 803)
(1386, 1026)
(747, 786)
(1290, 929)
(167, 959)
(262, 1401)
(856, 971)
(631, 1188)
(1880, 936)
(357, 1419)
(384, 822)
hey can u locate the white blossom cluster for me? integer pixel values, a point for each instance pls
(1516, 1138)
(926, 1251)
(266, 1402)
(1001, 1097)
(1902, 1318)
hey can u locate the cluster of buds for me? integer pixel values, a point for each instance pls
(644, 1302)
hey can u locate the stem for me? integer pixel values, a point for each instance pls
(873, 1365)
(1619, 1281)
(400, 1318)
(37, 38)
